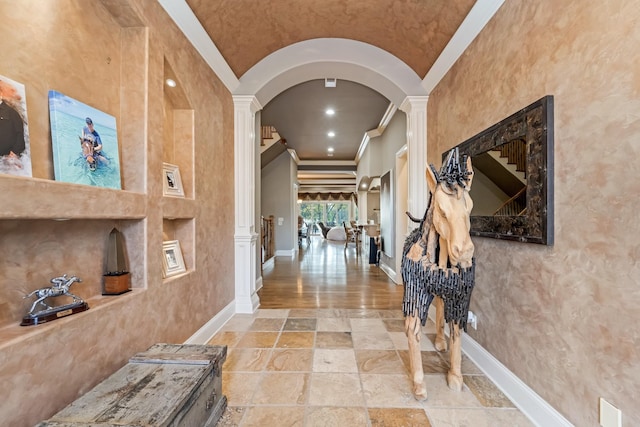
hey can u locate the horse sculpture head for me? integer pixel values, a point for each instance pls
(452, 206)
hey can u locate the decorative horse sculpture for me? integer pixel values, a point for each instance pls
(443, 233)
(60, 287)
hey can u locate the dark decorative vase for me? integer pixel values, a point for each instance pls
(117, 277)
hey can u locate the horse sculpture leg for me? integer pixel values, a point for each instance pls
(441, 340)
(41, 300)
(413, 330)
(454, 377)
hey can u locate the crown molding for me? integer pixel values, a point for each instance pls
(475, 21)
(193, 30)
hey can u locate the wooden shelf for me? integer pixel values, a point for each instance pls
(179, 278)
(178, 208)
(14, 333)
(25, 199)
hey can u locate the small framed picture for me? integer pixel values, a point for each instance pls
(172, 184)
(172, 261)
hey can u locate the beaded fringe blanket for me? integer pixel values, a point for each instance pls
(423, 279)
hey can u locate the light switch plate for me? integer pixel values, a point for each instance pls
(610, 416)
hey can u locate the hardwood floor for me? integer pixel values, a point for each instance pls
(325, 275)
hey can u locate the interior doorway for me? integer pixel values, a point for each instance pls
(402, 206)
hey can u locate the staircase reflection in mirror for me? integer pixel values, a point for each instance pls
(512, 188)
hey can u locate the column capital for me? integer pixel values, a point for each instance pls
(247, 101)
(413, 103)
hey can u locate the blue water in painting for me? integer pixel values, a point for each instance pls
(69, 164)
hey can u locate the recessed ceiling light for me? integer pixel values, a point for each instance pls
(330, 150)
(170, 82)
(330, 111)
(331, 134)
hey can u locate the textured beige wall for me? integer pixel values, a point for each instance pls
(86, 50)
(565, 318)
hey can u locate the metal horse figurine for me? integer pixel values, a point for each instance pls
(443, 234)
(60, 287)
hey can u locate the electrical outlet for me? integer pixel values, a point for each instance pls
(610, 416)
(472, 319)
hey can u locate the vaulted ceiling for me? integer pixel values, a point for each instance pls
(245, 32)
(415, 31)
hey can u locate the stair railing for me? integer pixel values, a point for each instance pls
(517, 205)
(267, 238)
(266, 132)
(516, 154)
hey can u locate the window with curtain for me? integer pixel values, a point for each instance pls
(330, 213)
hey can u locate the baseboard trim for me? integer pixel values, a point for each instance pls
(389, 271)
(288, 253)
(209, 329)
(258, 283)
(528, 401)
(269, 263)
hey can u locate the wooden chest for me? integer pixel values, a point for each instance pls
(167, 385)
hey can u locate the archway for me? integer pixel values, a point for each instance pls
(297, 63)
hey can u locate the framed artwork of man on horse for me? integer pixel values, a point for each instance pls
(85, 143)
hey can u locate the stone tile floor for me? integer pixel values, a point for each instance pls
(299, 367)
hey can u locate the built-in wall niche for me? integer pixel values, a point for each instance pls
(182, 230)
(133, 75)
(35, 251)
(112, 81)
(178, 131)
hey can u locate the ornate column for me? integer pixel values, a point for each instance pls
(245, 108)
(415, 108)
